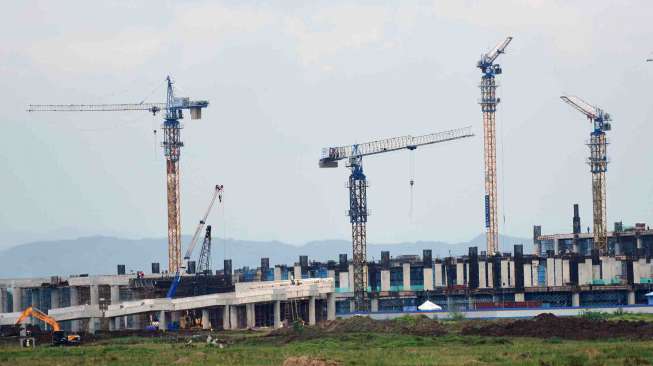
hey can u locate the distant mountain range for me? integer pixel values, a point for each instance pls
(100, 254)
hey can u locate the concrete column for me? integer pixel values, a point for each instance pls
(528, 276)
(428, 279)
(206, 320)
(556, 246)
(277, 273)
(174, 317)
(3, 300)
(631, 297)
(74, 301)
(566, 272)
(95, 294)
(163, 324)
(519, 296)
(351, 277)
(233, 317)
(406, 273)
(385, 280)
(331, 306)
(35, 294)
(115, 294)
(490, 274)
(482, 283)
(438, 275)
(460, 273)
(92, 325)
(297, 272)
(225, 318)
(331, 273)
(550, 272)
(558, 273)
(55, 298)
(344, 281)
(311, 310)
(505, 282)
(575, 299)
(639, 241)
(374, 305)
(251, 315)
(277, 314)
(137, 321)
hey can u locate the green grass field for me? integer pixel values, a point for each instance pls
(365, 348)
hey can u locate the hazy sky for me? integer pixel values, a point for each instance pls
(285, 79)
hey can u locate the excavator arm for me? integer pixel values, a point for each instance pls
(38, 314)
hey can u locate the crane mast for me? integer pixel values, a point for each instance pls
(171, 144)
(598, 162)
(204, 262)
(488, 104)
(357, 186)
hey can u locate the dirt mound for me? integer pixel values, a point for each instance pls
(413, 325)
(550, 326)
(309, 361)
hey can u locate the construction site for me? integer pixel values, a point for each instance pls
(599, 267)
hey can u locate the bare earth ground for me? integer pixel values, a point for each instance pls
(594, 339)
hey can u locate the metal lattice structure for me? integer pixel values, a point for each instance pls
(488, 104)
(204, 262)
(598, 162)
(357, 186)
(171, 146)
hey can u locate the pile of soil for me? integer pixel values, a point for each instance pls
(412, 325)
(549, 326)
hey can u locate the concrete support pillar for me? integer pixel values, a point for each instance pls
(428, 279)
(55, 298)
(95, 294)
(137, 321)
(385, 280)
(3, 300)
(74, 301)
(311, 310)
(35, 294)
(297, 272)
(519, 296)
(277, 273)
(331, 273)
(351, 277)
(251, 315)
(175, 317)
(374, 305)
(639, 241)
(575, 299)
(233, 317)
(631, 297)
(277, 314)
(163, 324)
(115, 294)
(226, 324)
(406, 272)
(206, 320)
(331, 306)
(92, 326)
(556, 246)
(344, 281)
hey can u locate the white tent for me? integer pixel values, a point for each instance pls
(429, 306)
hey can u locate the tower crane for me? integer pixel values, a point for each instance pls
(598, 162)
(358, 191)
(488, 104)
(171, 144)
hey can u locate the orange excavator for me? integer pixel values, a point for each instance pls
(59, 337)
